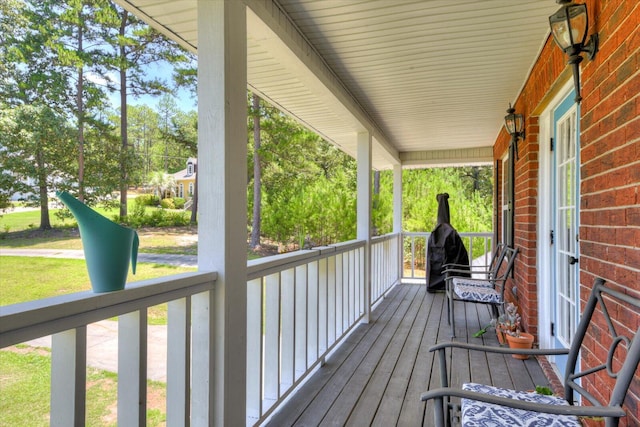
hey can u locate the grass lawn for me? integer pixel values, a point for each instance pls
(19, 230)
(25, 375)
(30, 219)
(47, 277)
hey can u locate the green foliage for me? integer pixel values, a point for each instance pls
(179, 202)
(167, 203)
(309, 189)
(544, 390)
(470, 202)
(141, 217)
(306, 184)
(147, 200)
(36, 149)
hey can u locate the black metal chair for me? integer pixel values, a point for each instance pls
(486, 271)
(481, 403)
(480, 291)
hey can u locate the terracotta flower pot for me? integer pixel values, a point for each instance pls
(525, 340)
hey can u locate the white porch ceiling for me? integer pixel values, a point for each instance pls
(431, 79)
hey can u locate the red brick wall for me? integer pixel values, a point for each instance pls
(610, 172)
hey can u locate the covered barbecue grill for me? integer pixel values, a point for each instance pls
(443, 247)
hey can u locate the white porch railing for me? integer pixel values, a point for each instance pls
(386, 264)
(66, 318)
(299, 307)
(479, 246)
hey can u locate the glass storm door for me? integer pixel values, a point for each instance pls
(566, 203)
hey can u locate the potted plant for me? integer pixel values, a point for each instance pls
(509, 328)
(507, 322)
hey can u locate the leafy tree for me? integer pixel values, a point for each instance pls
(162, 183)
(144, 134)
(136, 46)
(37, 145)
(257, 173)
(306, 183)
(78, 46)
(51, 47)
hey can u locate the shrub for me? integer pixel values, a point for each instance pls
(174, 219)
(179, 202)
(147, 200)
(167, 204)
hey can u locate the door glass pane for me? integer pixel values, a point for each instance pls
(566, 205)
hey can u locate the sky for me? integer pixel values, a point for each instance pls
(184, 99)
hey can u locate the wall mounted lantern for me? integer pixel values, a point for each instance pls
(514, 123)
(569, 26)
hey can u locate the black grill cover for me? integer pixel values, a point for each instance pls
(443, 247)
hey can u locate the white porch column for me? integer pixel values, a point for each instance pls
(397, 198)
(397, 215)
(364, 212)
(219, 321)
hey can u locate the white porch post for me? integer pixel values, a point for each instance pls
(219, 321)
(397, 198)
(364, 213)
(397, 214)
(68, 377)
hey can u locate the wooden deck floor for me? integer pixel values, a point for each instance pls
(377, 376)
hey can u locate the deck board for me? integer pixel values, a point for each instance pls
(376, 377)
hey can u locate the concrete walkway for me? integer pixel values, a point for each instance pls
(102, 348)
(102, 337)
(168, 259)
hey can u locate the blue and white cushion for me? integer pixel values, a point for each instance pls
(481, 414)
(476, 290)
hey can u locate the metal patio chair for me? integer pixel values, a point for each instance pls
(486, 271)
(497, 406)
(480, 291)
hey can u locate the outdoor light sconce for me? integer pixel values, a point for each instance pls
(569, 26)
(514, 123)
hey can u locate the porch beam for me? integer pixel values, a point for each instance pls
(453, 157)
(364, 212)
(275, 29)
(219, 350)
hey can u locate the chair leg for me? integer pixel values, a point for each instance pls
(453, 318)
(495, 313)
(448, 295)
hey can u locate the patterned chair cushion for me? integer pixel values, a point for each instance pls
(476, 290)
(480, 414)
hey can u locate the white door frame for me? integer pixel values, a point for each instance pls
(545, 219)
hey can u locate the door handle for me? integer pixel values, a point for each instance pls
(573, 260)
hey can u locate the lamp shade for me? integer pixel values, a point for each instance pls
(513, 122)
(569, 25)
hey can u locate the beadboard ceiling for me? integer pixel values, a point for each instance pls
(431, 79)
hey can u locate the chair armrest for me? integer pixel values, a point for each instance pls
(581, 411)
(501, 350)
(441, 347)
(469, 271)
(451, 264)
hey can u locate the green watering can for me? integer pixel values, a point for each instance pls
(107, 246)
